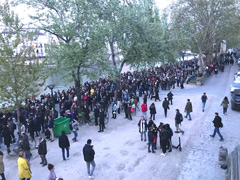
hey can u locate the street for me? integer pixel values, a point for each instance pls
(120, 153)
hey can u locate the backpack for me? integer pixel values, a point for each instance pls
(181, 118)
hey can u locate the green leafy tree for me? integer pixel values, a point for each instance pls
(21, 74)
(77, 47)
(205, 23)
(134, 32)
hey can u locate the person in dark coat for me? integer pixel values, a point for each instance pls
(88, 154)
(165, 136)
(150, 140)
(165, 106)
(26, 146)
(129, 111)
(63, 143)
(31, 128)
(217, 124)
(156, 94)
(96, 114)
(7, 138)
(152, 110)
(86, 112)
(101, 120)
(188, 109)
(170, 97)
(42, 151)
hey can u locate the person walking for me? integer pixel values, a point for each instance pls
(24, 172)
(188, 109)
(152, 110)
(150, 140)
(170, 97)
(165, 106)
(74, 130)
(142, 125)
(178, 121)
(42, 151)
(217, 124)
(64, 144)
(224, 104)
(2, 166)
(204, 100)
(88, 153)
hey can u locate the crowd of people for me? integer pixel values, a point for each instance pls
(37, 116)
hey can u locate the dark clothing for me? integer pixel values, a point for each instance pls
(217, 122)
(204, 98)
(188, 107)
(88, 153)
(42, 148)
(50, 123)
(152, 109)
(6, 136)
(165, 106)
(178, 118)
(63, 141)
(101, 121)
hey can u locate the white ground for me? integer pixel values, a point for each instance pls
(121, 155)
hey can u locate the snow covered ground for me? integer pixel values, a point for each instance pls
(120, 154)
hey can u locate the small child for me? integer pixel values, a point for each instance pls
(52, 175)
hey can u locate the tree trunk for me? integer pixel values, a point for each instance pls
(18, 121)
(79, 91)
(200, 58)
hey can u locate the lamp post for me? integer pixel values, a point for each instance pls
(51, 86)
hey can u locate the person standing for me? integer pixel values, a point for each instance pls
(152, 110)
(188, 109)
(88, 153)
(64, 144)
(170, 97)
(217, 124)
(24, 172)
(165, 136)
(42, 151)
(50, 127)
(142, 124)
(204, 100)
(224, 104)
(7, 138)
(52, 175)
(101, 120)
(74, 130)
(114, 110)
(96, 114)
(150, 140)
(2, 166)
(165, 106)
(144, 110)
(178, 121)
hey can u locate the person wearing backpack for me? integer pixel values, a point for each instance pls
(217, 124)
(178, 121)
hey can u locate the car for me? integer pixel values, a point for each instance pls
(235, 85)
(237, 76)
(235, 99)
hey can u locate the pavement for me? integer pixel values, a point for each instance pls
(120, 153)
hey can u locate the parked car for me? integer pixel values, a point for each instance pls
(235, 99)
(235, 85)
(237, 76)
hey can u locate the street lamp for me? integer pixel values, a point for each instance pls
(51, 86)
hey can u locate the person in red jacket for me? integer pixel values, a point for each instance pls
(144, 110)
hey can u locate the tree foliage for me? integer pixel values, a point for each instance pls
(204, 23)
(21, 74)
